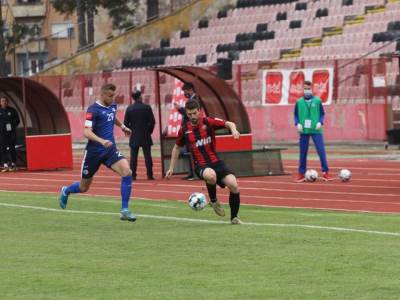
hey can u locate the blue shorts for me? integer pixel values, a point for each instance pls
(93, 159)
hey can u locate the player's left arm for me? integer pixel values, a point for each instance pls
(125, 129)
(321, 114)
(232, 127)
(320, 122)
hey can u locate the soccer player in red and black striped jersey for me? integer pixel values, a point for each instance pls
(198, 134)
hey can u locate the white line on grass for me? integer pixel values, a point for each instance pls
(341, 229)
(331, 209)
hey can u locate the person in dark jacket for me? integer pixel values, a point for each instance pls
(140, 119)
(9, 121)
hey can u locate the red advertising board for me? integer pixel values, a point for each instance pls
(296, 86)
(49, 152)
(274, 84)
(225, 143)
(320, 84)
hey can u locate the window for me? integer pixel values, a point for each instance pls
(62, 30)
(36, 66)
(31, 66)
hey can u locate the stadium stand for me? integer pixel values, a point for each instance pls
(264, 35)
(271, 30)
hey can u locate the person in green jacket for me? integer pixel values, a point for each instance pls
(309, 118)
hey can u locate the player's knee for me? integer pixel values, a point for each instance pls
(126, 172)
(234, 188)
(232, 185)
(211, 178)
(84, 188)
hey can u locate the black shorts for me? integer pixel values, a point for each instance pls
(220, 169)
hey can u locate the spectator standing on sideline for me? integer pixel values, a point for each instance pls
(9, 121)
(309, 118)
(139, 118)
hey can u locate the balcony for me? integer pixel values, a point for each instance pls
(38, 46)
(29, 10)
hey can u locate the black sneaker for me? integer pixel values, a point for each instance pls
(150, 178)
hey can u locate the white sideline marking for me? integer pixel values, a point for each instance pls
(341, 229)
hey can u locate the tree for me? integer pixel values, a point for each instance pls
(10, 39)
(121, 12)
(3, 63)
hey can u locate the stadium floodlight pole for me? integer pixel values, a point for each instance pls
(395, 54)
(27, 61)
(158, 101)
(24, 103)
(130, 86)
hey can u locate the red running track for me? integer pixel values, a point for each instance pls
(375, 186)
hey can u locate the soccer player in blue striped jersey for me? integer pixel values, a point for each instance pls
(101, 149)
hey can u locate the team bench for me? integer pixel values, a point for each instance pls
(266, 161)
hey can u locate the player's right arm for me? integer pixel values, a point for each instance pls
(90, 135)
(174, 157)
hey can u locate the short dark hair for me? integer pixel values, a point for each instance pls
(307, 83)
(192, 104)
(188, 86)
(108, 87)
(136, 95)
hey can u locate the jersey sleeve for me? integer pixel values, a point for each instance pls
(216, 123)
(90, 118)
(180, 139)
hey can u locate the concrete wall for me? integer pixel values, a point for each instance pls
(343, 123)
(109, 54)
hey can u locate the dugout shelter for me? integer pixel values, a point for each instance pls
(44, 134)
(218, 99)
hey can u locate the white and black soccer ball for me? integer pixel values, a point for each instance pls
(344, 175)
(311, 175)
(197, 201)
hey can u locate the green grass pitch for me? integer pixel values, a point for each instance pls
(172, 252)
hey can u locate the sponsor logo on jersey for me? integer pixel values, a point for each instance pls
(203, 142)
(89, 116)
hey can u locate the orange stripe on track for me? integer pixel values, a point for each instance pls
(375, 186)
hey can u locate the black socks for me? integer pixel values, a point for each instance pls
(234, 203)
(212, 192)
